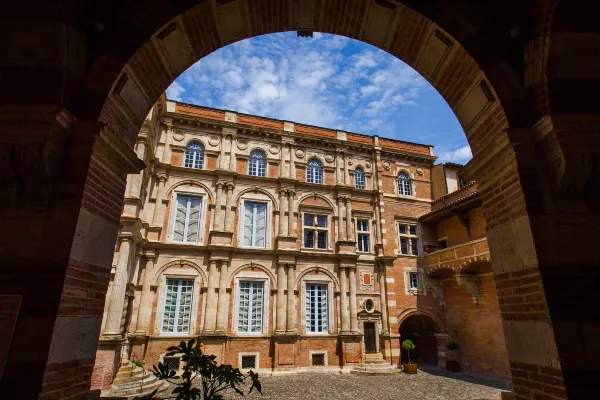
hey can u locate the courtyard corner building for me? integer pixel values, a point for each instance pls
(283, 247)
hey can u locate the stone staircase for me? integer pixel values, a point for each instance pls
(132, 381)
(374, 364)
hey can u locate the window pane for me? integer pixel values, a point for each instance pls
(404, 245)
(261, 222)
(359, 178)
(362, 225)
(193, 220)
(402, 229)
(309, 220)
(414, 280)
(413, 229)
(248, 224)
(186, 225)
(322, 221)
(322, 239)
(314, 171)
(414, 247)
(316, 308)
(250, 307)
(180, 216)
(309, 238)
(404, 186)
(194, 155)
(178, 305)
(255, 215)
(363, 242)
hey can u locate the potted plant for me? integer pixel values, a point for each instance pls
(409, 368)
(452, 364)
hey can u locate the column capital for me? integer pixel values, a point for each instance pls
(220, 184)
(283, 192)
(230, 185)
(291, 192)
(125, 237)
(161, 177)
(150, 254)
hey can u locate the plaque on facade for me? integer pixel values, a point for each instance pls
(9, 310)
(366, 280)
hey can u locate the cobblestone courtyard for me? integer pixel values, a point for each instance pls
(435, 384)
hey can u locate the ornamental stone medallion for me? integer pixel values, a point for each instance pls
(420, 171)
(178, 135)
(242, 144)
(214, 140)
(274, 149)
(386, 165)
(300, 153)
(367, 165)
(329, 157)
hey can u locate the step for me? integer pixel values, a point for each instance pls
(148, 379)
(129, 375)
(377, 366)
(137, 391)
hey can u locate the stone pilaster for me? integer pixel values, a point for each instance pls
(291, 219)
(341, 225)
(210, 313)
(119, 287)
(292, 171)
(229, 208)
(222, 163)
(134, 182)
(338, 171)
(291, 298)
(145, 307)
(383, 299)
(283, 231)
(349, 228)
(353, 305)
(232, 156)
(218, 224)
(281, 311)
(159, 207)
(345, 315)
(223, 297)
(346, 172)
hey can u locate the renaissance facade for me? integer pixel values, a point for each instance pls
(279, 246)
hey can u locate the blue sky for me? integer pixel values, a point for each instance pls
(328, 81)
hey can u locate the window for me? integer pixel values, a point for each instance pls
(255, 225)
(248, 362)
(442, 243)
(414, 280)
(318, 359)
(462, 182)
(250, 307)
(315, 231)
(258, 163)
(194, 155)
(316, 308)
(314, 171)
(178, 306)
(404, 184)
(409, 241)
(172, 363)
(186, 227)
(359, 178)
(362, 228)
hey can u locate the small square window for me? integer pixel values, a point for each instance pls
(443, 243)
(172, 363)
(248, 362)
(318, 360)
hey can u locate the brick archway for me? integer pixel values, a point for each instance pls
(529, 106)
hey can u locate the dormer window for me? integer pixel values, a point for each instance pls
(194, 155)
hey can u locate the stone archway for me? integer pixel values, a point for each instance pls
(527, 98)
(423, 331)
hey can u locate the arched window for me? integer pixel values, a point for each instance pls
(258, 163)
(404, 186)
(314, 171)
(194, 155)
(359, 178)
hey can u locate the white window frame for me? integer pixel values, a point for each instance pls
(195, 163)
(203, 205)
(318, 179)
(360, 233)
(253, 236)
(410, 237)
(262, 309)
(328, 308)
(315, 229)
(255, 354)
(255, 276)
(410, 183)
(408, 289)
(258, 163)
(364, 178)
(255, 198)
(164, 302)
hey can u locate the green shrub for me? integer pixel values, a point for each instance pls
(409, 346)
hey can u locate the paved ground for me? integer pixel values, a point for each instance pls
(432, 384)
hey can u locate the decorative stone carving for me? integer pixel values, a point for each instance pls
(329, 157)
(242, 144)
(274, 149)
(470, 283)
(367, 165)
(367, 280)
(300, 153)
(230, 117)
(420, 171)
(386, 165)
(350, 161)
(369, 305)
(214, 140)
(178, 135)
(288, 126)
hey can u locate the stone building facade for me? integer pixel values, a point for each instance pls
(280, 246)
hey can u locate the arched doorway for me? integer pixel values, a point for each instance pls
(78, 78)
(421, 329)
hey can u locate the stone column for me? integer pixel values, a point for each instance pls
(378, 222)
(383, 299)
(341, 225)
(344, 301)
(283, 231)
(282, 161)
(338, 171)
(145, 308)
(281, 316)
(229, 213)
(346, 173)
(291, 220)
(210, 313)
(232, 159)
(291, 297)
(218, 207)
(222, 303)
(159, 207)
(222, 155)
(353, 305)
(292, 171)
(119, 287)
(349, 229)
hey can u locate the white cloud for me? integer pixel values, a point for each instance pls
(175, 91)
(459, 156)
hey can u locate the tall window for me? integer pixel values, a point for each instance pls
(363, 234)
(404, 185)
(186, 227)
(462, 182)
(316, 308)
(315, 231)
(178, 306)
(409, 241)
(258, 163)
(414, 280)
(250, 307)
(314, 171)
(255, 224)
(194, 155)
(359, 178)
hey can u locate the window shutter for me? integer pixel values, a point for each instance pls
(261, 221)
(193, 220)
(180, 216)
(248, 222)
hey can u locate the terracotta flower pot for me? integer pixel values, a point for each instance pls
(409, 368)
(452, 366)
